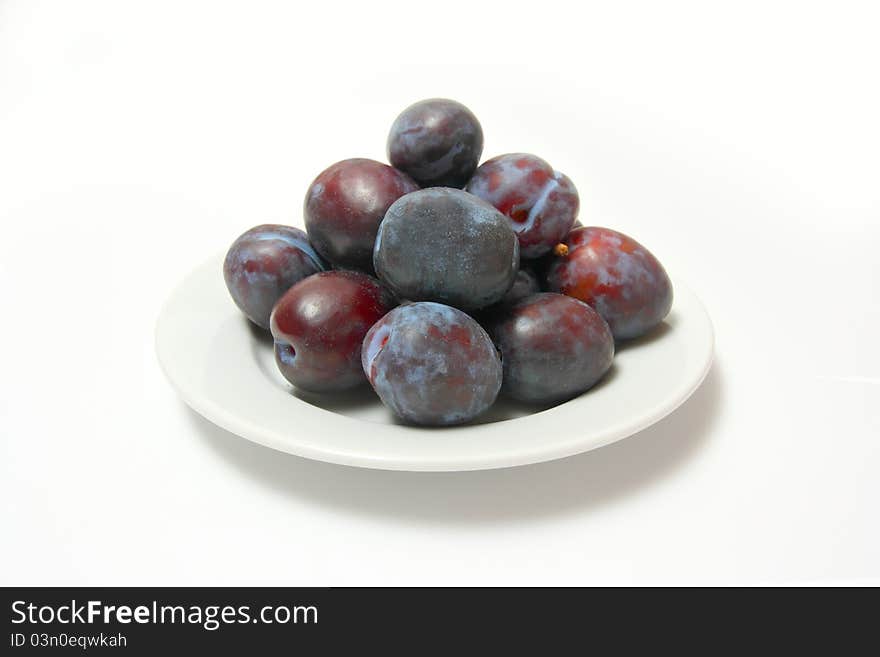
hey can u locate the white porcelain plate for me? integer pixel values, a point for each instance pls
(224, 369)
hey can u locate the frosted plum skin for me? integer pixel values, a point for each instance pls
(438, 142)
(432, 364)
(552, 347)
(617, 276)
(263, 263)
(319, 326)
(541, 204)
(446, 245)
(345, 205)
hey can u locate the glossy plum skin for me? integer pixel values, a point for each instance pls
(432, 364)
(438, 142)
(263, 263)
(552, 347)
(344, 206)
(541, 204)
(319, 326)
(446, 245)
(617, 276)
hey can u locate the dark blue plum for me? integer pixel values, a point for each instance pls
(432, 364)
(552, 347)
(263, 263)
(319, 326)
(540, 203)
(437, 142)
(345, 205)
(614, 274)
(446, 245)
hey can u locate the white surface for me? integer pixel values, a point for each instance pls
(225, 370)
(738, 141)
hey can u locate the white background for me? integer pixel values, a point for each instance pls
(740, 141)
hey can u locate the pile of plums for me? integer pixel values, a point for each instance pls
(442, 282)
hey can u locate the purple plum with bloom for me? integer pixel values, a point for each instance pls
(438, 142)
(552, 347)
(432, 364)
(614, 274)
(541, 203)
(345, 205)
(263, 263)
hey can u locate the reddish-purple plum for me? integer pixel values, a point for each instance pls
(614, 274)
(432, 364)
(553, 347)
(320, 324)
(438, 142)
(345, 205)
(446, 245)
(263, 263)
(541, 204)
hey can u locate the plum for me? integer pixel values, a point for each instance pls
(540, 203)
(320, 324)
(432, 364)
(263, 263)
(344, 206)
(438, 142)
(614, 274)
(525, 284)
(553, 347)
(446, 245)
